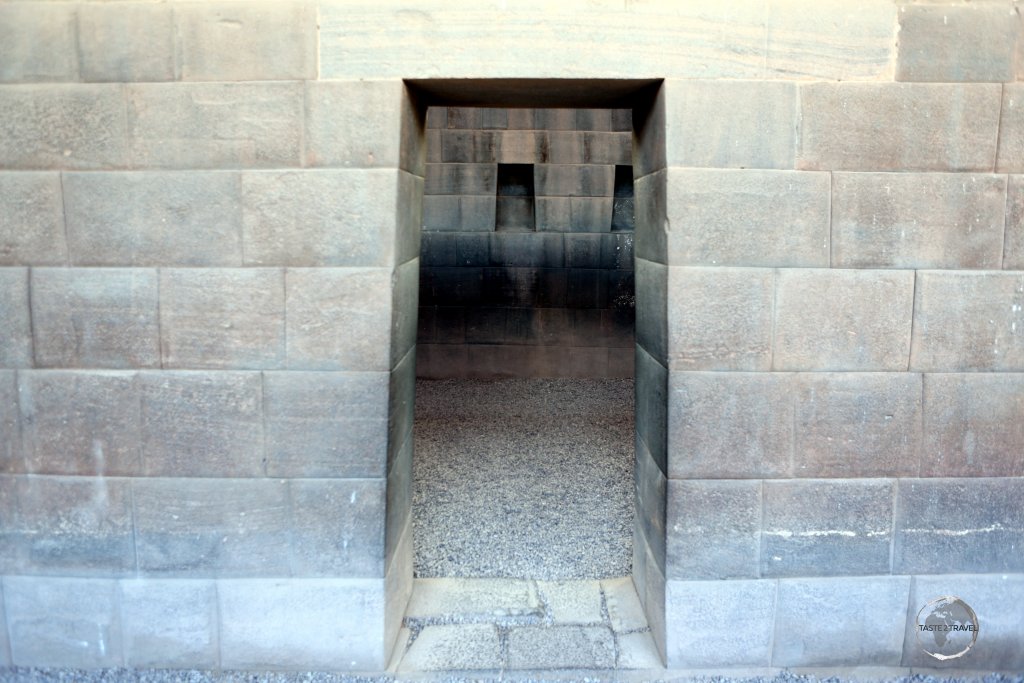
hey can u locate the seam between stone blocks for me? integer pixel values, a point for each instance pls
(913, 318)
(999, 135)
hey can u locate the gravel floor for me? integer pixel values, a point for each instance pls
(525, 478)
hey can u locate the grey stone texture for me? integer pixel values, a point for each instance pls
(126, 42)
(153, 219)
(917, 220)
(573, 180)
(15, 319)
(1013, 243)
(438, 598)
(5, 643)
(842, 319)
(650, 500)
(1011, 129)
(169, 623)
(31, 219)
(454, 647)
(966, 321)
(896, 127)
(576, 647)
(572, 602)
(11, 461)
(714, 529)
(625, 611)
(38, 43)
(652, 402)
(95, 317)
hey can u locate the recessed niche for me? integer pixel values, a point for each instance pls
(622, 199)
(514, 207)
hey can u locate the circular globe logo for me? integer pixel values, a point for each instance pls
(947, 627)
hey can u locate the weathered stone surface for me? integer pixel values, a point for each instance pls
(842, 319)
(573, 180)
(337, 528)
(404, 305)
(476, 117)
(153, 219)
(714, 529)
(972, 425)
(339, 319)
(11, 460)
(214, 125)
(607, 148)
(459, 214)
(63, 622)
(222, 318)
(652, 223)
(1013, 244)
(720, 318)
(341, 627)
(211, 527)
(959, 525)
(84, 423)
(31, 219)
(649, 502)
(863, 621)
(895, 126)
(15, 321)
(470, 146)
(126, 42)
(722, 605)
(38, 42)
(517, 146)
(652, 405)
(652, 327)
(572, 602)
(95, 317)
(62, 126)
(226, 41)
(454, 647)
(968, 321)
(461, 179)
(527, 250)
(827, 527)
(638, 651)
(572, 647)
(202, 424)
(917, 220)
(439, 598)
(1011, 129)
(169, 623)
(398, 518)
(950, 43)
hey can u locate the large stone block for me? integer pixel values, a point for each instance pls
(972, 425)
(652, 424)
(126, 42)
(38, 42)
(917, 220)
(222, 318)
(153, 219)
(959, 525)
(720, 318)
(476, 117)
(214, 125)
(470, 146)
(11, 460)
(461, 179)
(31, 219)
(562, 147)
(1013, 245)
(337, 528)
(398, 515)
(95, 317)
(169, 623)
(1011, 129)
(228, 41)
(342, 624)
(534, 250)
(842, 319)
(212, 527)
(649, 503)
(827, 527)
(574, 180)
(607, 148)
(339, 319)
(949, 43)
(80, 423)
(652, 222)
(63, 622)
(714, 529)
(859, 621)
(459, 214)
(968, 321)
(15, 321)
(326, 424)
(63, 126)
(202, 424)
(895, 126)
(652, 308)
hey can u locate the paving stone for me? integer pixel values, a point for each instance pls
(1011, 129)
(561, 647)
(1013, 244)
(153, 219)
(38, 43)
(95, 317)
(826, 527)
(638, 651)
(624, 608)
(714, 529)
(462, 647)
(917, 220)
(169, 623)
(438, 598)
(572, 602)
(337, 528)
(11, 461)
(15, 321)
(126, 42)
(842, 319)
(31, 219)
(892, 126)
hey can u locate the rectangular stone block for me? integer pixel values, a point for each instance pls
(398, 516)
(520, 146)
(972, 425)
(1011, 129)
(652, 223)
(652, 326)
(212, 527)
(202, 424)
(842, 319)
(437, 117)
(959, 525)
(553, 214)
(826, 527)
(404, 305)
(341, 629)
(894, 126)
(714, 529)
(38, 43)
(520, 118)
(652, 426)
(573, 180)
(31, 219)
(461, 179)
(11, 460)
(470, 146)
(153, 219)
(649, 503)
(720, 318)
(15, 321)
(608, 148)
(56, 622)
(169, 623)
(530, 250)
(226, 41)
(910, 220)
(1013, 242)
(95, 317)
(458, 214)
(63, 126)
(578, 647)
(594, 119)
(84, 423)
(590, 214)
(126, 43)
(337, 528)
(864, 626)
(222, 318)
(339, 319)
(562, 147)
(215, 125)
(477, 117)
(968, 322)
(944, 43)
